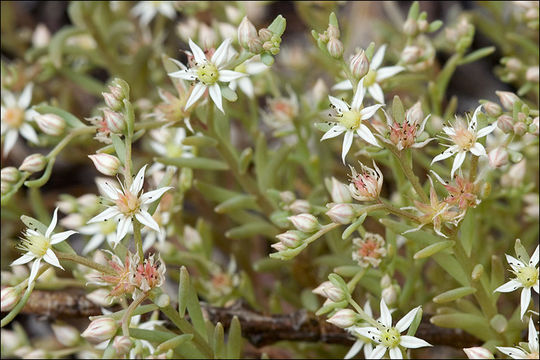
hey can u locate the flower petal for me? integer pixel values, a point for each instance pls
(358, 97)
(51, 258)
(229, 75)
(138, 182)
(341, 106)
(386, 316)
(24, 259)
(333, 132)
(533, 336)
(343, 85)
(525, 300)
(58, 238)
(534, 258)
(109, 190)
(184, 74)
(376, 93)
(478, 149)
(196, 93)
(369, 332)
(26, 96)
(364, 132)
(355, 349)
(52, 225)
(107, 214)
(198, 54)
(151, 196)
(458, 161)
(123, 228)
(220, 56)
(388, 71)
(509, 286)
(395, 353)
(368, 112)
(404, 323)
(412, 342)
(10, 140)
(378, 352)
(94, 243)
(486, 130)
(34, 270)
(377, 59)
(247, 87)
(146, 219)
(28, 132)
(473, 123)
(445, 154)
(347, 142)
(514, 353)
(215, 94)
(178, 63)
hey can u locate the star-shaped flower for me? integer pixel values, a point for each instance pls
(129, 203)
(147, 10)
(465, 139)
(521, 353)
(207, 73)
(15, 117)
(38, 246)
(526, 272)
(390, 338)
(349, 120)
(374, 76)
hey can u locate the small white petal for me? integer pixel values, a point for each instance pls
(184, 74)
(404, 323)
(51, 258)
(341, 106)
(509, 286)
(247, 87)
(412, 342)
(355, 349)
(24, 259)
(178, 63)
(58, 238)
(229, 75)
(368, 112)
(255, 67)
(376, 93)
(34, 270)
(146, 219)
(215, 94)
(137, 184)
(534, 258)
(364, 132)
(107, 214)
(343, 85)
(377, 59)
(525, 300)
(533, 336)
(198, 54)
(220, 56)
(52, 225)
(473, 123)
(487, 130)
(513, 352)
(478, 149)
(458, 161)
(358, 97)
(154, 195)
(347, 142)
(446, 154)
(378, 352)
(196, 93)
(333, 132)
(108, 190)
(123, 227)
(395, 353)
(386, 316)
(388, 71)
(368, 332)
(26, 96)
(10, 140)
(28, 132)
(94, 243)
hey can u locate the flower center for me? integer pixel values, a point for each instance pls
(36, 244)
(128, 203)
(350, 119)
(370, 78)
(208, 73)
(390, 337)
(14, 117)
(528, 276)
(173, 150)
(464, 138)
(107, 227)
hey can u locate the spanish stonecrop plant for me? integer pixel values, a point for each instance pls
(210, 180)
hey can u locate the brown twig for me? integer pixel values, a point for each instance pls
(257, 328)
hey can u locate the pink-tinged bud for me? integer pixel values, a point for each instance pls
(115, 121)
(505, 123)
(99, 297)
(207, 36)
(366, 185)
(520, 128)
(390, 294)
(10, 174)
(300, 206)
(423, 25)
(265, 34)
(359, 65)
(533, 128)
(10, 297)
(246, 32)
(478, 352)
(410, 28)
(100, 330)
(340, 192)
(112, 101)
(492, 109)
(330, 291)
(415, 114)
(343, 318)
(507, 99)
(73, 221)
(255, 46)
(498, 157)
(50, 124)
(332, 32)
(305, 222)
(532, 74)
(41, 36)
(65, 334)
(513, 64)
(33, 163)
(105, 163)
(122, 345)
(290, 238)
(411, 54)
(287, 197)
(342, 213)
(335, 48)
(279, 246)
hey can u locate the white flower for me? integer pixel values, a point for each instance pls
(465, 139)
(168, 142)
(521, 353)
(361, 341)
(390, 338)
(147, 10)
(129, 203)
(374, 76)
(349, 120)
(207, 73)
(526, 277)
(252, 67)
(15, 117)
(38, 246)
(150, 237)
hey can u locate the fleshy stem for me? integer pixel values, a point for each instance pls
(138, 240)
(129, 312)
(474, 168)
(363, 314)
(396, 211)
(84, 261)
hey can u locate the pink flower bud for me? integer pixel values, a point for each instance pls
(115, 121)
(287, 196)
(390, 294)
(498, 157)
(305, 222)
(341, 213)
(520, 128)
(330, 291)
(340, 192)
(50, 124)
(492, 109)
(265, 34)
(290, 238)
(507, 99)
(411, 54)
(122, 345)
(478, 352)
(359, 65)
(300, 206)
(99, 297)
(10, 174)
(332, 32)
(207, 36)
(415, 114)
(105, 163)
(100, 330)
(255, 46)
(343, 318)
(33, 163)
(279, 246)
(335, 48)
(112, 101)
(505, 123)
(246, 32)
(423, 25)
(410, 28)
(10, 297)
(65, 334)
(41, 36)
(532, 74)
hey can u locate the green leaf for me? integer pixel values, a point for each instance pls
(413, 11)
(278, 25)
(332, 20)
(219, 341)
(245, 159)
(433, 249)
(339, 282)
(252, 229)
(277, 160)
(469, 231)
(200, 140)
(214, 193)
(236, 203)
(477, 55)
(434, 26)
(34, 224)
(473, 324)
(453, 294)
(267, 58)
(195, 163)
(87, 82)
(397, 110)
(195, 312)
(174, 342)
(69, 118)
(119, 147)
(183, 290)
(234, 340)
(355, 225)
(415, 323)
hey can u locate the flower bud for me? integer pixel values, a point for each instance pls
(359, 65)
(342, 214)
(73, 221)
(505, 123)
(33, 163)
(410, 28)
(343, 318)
(305, 222)
(300, 206)
(122, 345)
(492, 109)
(423, 25)
(340, 192)
(10, 174)
(279, 246)
(290, 238)
(534, 126)
(65, 334)
(507, 99)
(415, 114)
(100, 330)
(246, 32)
(411, 54)
(50, 124)
(5, 187)
(207, 36)
(332, 32)
(120, 89)
(287, 196)
(115, 121)
(99, 297)
(330, 291)
(498, 157)
(105, 163)
(532, 74)
(255, 46)
(478, 352)
(513, 64)
(265, 34)
(10, 297)
(112, 101)
(390, 294)
(41, 36)
(335, 48)
(386, 281)
(520, 128)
